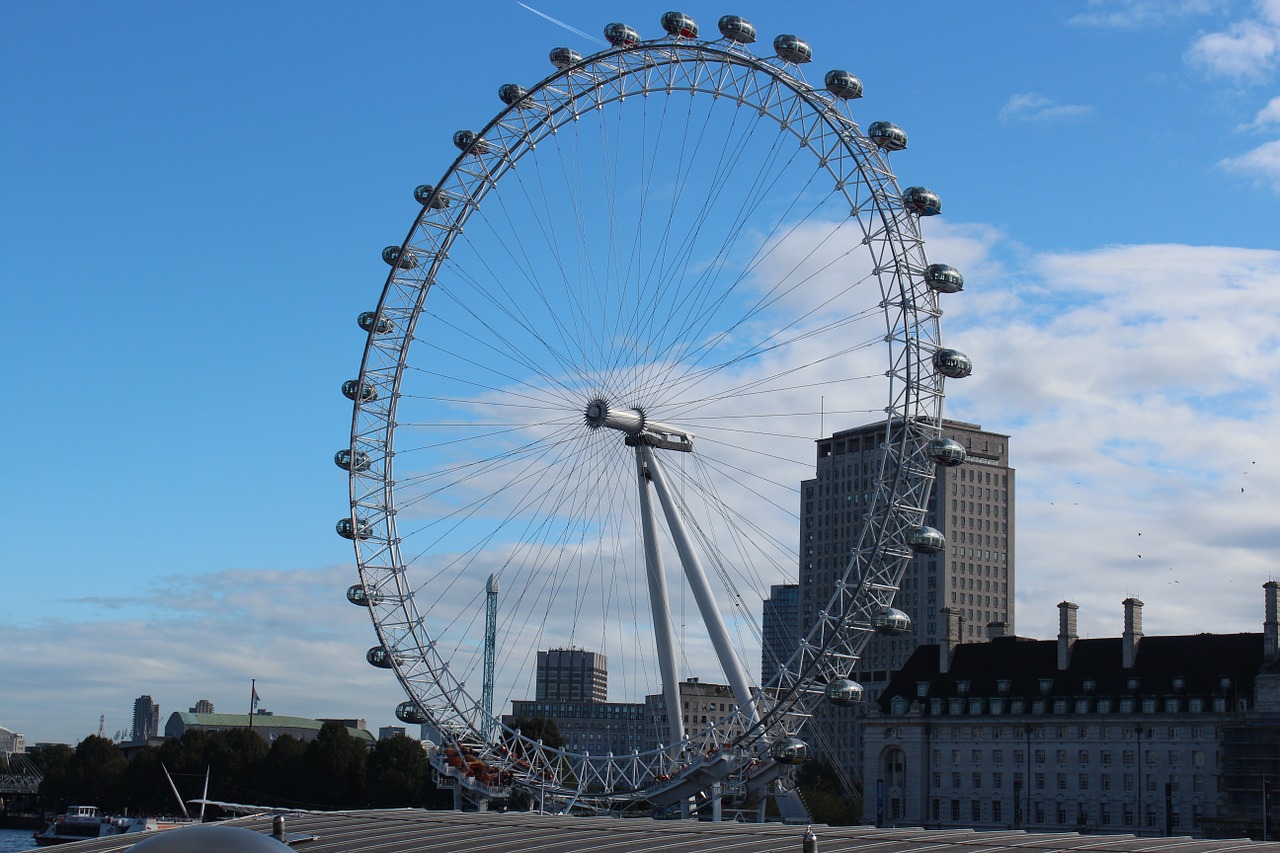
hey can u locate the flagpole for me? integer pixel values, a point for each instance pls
(253, 691)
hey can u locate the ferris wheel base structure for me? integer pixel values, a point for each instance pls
(697, 252)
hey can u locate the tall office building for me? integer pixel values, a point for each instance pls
(146, 718)
(572, 675)
(972, 505)
(780, 628)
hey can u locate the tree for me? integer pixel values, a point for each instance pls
(823, 796)
(336, 767)
(399, 774)
(282, 774)
(540, 728)
(96, 773)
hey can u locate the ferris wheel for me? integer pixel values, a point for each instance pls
(594, 380)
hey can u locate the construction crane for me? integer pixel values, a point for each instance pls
(490, 641)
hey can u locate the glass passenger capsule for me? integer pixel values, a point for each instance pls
(371, 322)
(680, 25)
(792, 49)
(736, 28)
(952, 363)
(843, 692)
(891, 622)
(789, 750)
(356, 595)
(943, 279)
(947, 452)
(469, 141)
(428, 196)
(357, 391)
(842, 84)
(391, 254)
(925, 540)
(511, 93)
(349, 460)
(921, 200)
(887, 135)
(360, 530)
(563, 57)
(621, 35)
(408, 712)
(379, 657)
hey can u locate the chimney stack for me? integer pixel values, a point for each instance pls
(997, 629)
(953, 638)
(1271, 625)
(1132, 631)
(1067, 634)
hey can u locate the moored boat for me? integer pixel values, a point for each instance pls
(81, 822)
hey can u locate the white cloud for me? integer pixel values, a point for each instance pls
(1262, 164)
(1126, 14)
(1268, 116)
(1137, 384)
(1246, 52)
(1035, 107)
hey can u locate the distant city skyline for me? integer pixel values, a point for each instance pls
(193, 216)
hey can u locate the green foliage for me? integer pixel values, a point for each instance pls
(820, 787)
(336, 767)
(540, 728)
(282, 775)
(399, 774)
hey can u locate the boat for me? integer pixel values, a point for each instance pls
(81, 822)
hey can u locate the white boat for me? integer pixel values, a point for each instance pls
(81, 822)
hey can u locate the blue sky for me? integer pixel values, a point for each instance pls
(195, 196)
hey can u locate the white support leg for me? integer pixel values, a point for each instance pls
(701, 589)
(659, 605)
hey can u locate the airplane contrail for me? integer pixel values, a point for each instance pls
(573, 30)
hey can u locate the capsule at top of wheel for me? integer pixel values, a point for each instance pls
(737, 28)
(428, 196)
(891, 622)
(925, 540)
(843, 692)
(792, 48)
(789, 750)
(371, 321)
(512, 94)
(947, 452)
(922, 201)
(391, 254)
(952, 363)
(842, 84)
(361, 529)
(351, 460)
(621, 35)
(409, 712)
(357, 391)
(469, 141)
(563, 57)
(379, 656)
(943, 279)
(887, 136)
(357, 596)
(680, 25)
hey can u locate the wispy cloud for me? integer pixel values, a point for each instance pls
(1035, 107)
(1268, 116)
(1129, 14)
(1262, 164)
(1246, 51)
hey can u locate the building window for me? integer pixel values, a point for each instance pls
(995, 811)
(1039, 781)
(997, 756)
(975, 811)
(1105, 757)
(977, 780)
(1062, 781)
(997, 780)
(1084, 781)
(955, 811)
(955, 779)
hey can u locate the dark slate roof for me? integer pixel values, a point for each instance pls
(1200, 660)
(415, 831)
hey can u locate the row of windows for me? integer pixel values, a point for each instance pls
(1079, 705)
(1104, 781)
(1065, 814)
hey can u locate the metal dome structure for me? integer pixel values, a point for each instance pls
(602, 350)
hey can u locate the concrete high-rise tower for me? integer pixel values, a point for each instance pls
(572, 675)
(972, 505)
(780, 628)
(146, 718)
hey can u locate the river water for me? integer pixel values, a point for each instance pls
(12, 840)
